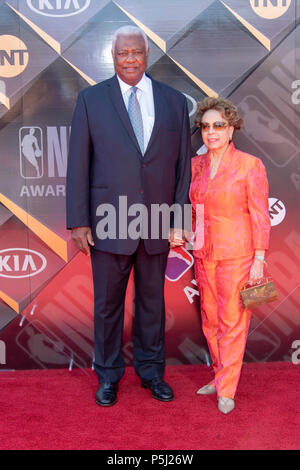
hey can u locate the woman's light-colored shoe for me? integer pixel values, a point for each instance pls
(207, 390)
(225, 405)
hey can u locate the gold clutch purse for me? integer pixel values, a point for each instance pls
(262, 292)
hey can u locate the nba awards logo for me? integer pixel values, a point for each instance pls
(268, 131)
(43, 155)
(58, 8)
(270, 9)
(14, 56)
(31, 152)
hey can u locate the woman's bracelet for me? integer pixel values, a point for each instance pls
(261, 258)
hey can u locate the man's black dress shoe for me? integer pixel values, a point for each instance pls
(106, 394)
(160, 389)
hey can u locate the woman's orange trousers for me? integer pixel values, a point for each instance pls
(225, 322)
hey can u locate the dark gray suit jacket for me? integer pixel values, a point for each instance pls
(105, 161)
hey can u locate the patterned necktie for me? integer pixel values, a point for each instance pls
(136, 119)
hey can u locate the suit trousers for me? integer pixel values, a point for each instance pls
(110, 278)
(225, 322)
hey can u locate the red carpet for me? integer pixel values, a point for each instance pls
(55, 409)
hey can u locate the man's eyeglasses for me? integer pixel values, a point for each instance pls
(217, 126)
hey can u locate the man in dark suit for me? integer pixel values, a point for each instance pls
(130, 142)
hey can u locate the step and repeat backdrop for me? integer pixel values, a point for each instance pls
(247, 50)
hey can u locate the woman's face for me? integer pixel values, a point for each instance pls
(215, 130)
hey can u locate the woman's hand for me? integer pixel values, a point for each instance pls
(256, 271)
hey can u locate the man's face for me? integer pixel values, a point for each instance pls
(130, 58)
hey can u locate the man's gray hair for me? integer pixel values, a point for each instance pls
(126, 31)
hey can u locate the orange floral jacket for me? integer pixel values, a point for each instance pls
(236, 210)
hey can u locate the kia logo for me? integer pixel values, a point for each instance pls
(17, 263)
(58, 8)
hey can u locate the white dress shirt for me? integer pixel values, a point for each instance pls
(145, 98)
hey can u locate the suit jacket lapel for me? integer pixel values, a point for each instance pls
(118, 102)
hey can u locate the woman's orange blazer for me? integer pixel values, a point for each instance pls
(236, 209)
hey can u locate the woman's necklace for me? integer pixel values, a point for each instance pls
(214, 165)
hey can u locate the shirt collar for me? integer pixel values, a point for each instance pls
(226, 159)
(141, 85)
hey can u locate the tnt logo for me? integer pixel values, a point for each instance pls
(14, 56)
(58, 8)
(179, 262)
(276, 210)
(270, 9)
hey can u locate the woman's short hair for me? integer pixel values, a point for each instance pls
(225, 107)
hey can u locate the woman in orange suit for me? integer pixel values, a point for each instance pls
(233, 188)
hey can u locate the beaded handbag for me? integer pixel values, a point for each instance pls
(264, 291)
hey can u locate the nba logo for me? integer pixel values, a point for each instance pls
(268, 132)
(179, 262)
(31, 152)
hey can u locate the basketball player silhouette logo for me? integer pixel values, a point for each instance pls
(31, 151)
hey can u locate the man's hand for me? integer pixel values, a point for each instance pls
(176, 238)
(82, 237)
